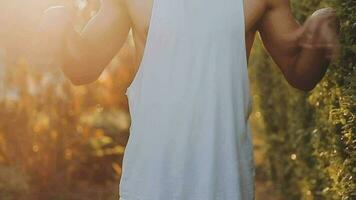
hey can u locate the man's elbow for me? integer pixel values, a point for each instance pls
(79, 82)
(82, 80)
(306, 87)
(79, 74)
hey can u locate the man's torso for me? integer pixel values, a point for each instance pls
(140, 13)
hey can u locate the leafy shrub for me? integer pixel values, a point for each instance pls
(311, 135)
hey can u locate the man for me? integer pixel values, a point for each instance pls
(189, 100)
(306, 47)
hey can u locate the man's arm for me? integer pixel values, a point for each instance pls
(83, 56)
(299, 51)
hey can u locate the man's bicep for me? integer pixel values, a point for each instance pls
(278, 30)
(108, 29)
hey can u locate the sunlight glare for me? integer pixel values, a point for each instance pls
(81, 4)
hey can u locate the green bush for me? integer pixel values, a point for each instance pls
(311, 135)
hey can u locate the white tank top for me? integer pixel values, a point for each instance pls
(190, 102)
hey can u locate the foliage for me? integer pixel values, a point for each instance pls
(311, 135)
(62, 137)
(58, 141)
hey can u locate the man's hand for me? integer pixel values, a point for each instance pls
(320, 31)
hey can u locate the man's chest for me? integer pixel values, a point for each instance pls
(140, 13)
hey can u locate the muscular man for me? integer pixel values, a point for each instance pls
(301, 52)
(190, 138)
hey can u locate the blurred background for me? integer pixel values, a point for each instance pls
(65, 142)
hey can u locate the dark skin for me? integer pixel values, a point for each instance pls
(302, 52)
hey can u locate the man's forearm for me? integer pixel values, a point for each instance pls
(319, 45)
(86, 54)
(59, 42)
(78, 61)
(309, 68)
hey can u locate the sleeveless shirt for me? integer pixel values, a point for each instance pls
(189, 103)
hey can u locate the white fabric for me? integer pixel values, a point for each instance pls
(190, 102)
